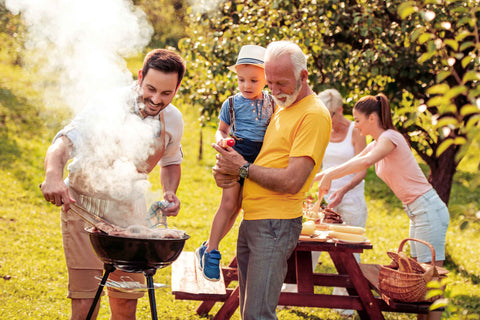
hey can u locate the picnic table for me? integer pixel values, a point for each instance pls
(358, 279)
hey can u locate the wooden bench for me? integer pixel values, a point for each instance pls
(188, 281)
(371, 272)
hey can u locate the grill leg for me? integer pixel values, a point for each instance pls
(151, 292)
(108, 269)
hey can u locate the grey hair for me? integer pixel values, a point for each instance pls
(277, 49)
(331, 98)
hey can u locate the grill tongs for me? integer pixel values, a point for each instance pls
(90, 218)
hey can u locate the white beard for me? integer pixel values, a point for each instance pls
(290, 98)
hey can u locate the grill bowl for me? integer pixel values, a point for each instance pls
(135, 254)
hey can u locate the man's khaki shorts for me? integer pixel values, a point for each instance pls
(84, 268)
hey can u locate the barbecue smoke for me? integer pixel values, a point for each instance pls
(82, 44)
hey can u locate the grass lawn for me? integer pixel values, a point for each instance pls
(32, 269)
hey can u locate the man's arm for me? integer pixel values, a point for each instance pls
(170, 178)
(54, 188)
(286, 180)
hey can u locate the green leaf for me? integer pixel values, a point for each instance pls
(471, 76)
(440, 303)
(469, 109)
(463, 34)
(434, 284)
(460, 140)
(426, 56)
(433, 293)
(452, 43)
(447, 121)
(463, 21)
(465, 61)
(406, 9)
(424, 37)
(455, 91)
(472, 122)
(442, 75)
(436, 101)
(443, 146)
(466, 44)
(416, 33)
(438, 89)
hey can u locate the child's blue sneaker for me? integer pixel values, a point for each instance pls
(199, 254)
(211, 265)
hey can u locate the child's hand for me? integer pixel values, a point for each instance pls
(228, 142)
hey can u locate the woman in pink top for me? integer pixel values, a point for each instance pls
(397, 167)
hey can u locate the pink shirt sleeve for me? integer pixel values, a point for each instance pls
(400, 170)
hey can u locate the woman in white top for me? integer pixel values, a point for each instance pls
(346, 195)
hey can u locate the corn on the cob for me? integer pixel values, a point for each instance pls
(346, 236)
(347, 229)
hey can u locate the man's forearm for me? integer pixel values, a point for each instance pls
(56, 158)
(170, 178)
(284, 180)
(268, 178)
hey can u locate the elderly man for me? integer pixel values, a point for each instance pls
(127, 130)
(275, 184)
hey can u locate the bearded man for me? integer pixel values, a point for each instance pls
(275, 184)
(115, 142)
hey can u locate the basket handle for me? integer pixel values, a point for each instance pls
(400, 247)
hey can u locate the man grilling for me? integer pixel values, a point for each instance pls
(150, 132)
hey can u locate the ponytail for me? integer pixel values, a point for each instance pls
(377, 104)
(385, 112)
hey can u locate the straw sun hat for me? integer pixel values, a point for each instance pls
(250, 54)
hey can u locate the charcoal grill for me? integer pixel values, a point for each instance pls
(133, 255)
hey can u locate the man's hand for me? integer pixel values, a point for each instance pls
(57, 193)
(226, 168)
(229, 161)
(175, 208)
(223, 180)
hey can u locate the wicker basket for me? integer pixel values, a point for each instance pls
(403, 286)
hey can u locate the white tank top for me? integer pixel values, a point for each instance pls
(338, 153)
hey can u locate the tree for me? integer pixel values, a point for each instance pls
(11, 36)
(358, 47)
(450, 44)
(166, 18)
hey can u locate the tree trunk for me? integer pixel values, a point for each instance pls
(442, 170)
(200, 145)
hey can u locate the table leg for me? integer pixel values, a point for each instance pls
(229, 306)
(205, 307)
(304, 271)
(371, 310)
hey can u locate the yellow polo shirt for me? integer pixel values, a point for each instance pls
(302, 129)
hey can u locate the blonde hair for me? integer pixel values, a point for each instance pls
(332, 99)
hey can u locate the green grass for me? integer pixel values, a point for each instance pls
(32, 269)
